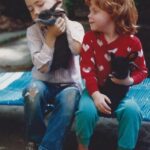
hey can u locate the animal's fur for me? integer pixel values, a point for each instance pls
(62, 53)
(121, 67)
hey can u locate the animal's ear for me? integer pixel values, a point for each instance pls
(55, 5)
(132, 56)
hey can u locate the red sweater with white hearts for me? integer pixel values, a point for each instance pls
(95, 59)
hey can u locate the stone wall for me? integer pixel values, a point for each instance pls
(105, 137)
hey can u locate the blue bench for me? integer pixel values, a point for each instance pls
(11, 87)
(12, 84)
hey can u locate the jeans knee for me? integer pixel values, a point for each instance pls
(68, 99)
(71, 96)
(34, 89)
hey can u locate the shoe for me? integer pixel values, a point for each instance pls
(31, 146)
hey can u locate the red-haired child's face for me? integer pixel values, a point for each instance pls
(99, 19)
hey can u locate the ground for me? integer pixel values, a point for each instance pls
(12, 129)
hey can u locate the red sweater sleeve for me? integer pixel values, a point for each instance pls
(87, 64)
(140, 73)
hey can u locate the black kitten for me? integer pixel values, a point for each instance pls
(121, 67)
(49, 16)
(62, 53)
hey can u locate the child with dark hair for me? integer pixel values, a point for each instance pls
(54, 45)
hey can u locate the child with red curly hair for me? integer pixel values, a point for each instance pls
(113, 25)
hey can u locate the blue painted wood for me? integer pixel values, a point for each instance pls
(141, 92)
(12, 94)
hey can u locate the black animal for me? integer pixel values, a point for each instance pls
(62, 53)
(121, 67)
(49, 16)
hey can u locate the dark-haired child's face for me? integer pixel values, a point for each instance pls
(36, 6)
(99, 19)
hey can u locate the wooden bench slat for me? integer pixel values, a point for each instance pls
(14, 83)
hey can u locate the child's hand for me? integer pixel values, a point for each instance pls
(101, 101)
(127, 81)
(57, 29)
(60, 25)
(52, 32)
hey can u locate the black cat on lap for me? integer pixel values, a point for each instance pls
(121, 67)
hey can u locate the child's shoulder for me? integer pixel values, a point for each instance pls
(74, 24)
(132, 38)
(132, 41)
(90, 35)
(33, 28)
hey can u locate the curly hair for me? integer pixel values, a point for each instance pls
(123, 12)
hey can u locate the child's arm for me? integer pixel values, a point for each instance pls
(75, 34)
(88, 72)
(127, 81)
(141, 71)
(42, 52)
(54, 31)
(87, 66)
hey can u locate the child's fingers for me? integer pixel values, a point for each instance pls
(106, 107)
(107, 100)
(62, 29)
(105, 110)
(60, 23)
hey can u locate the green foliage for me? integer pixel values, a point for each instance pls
(70, 6)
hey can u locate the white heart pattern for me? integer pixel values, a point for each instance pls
(107, 57)
(85, 47)
(92, 59)
(86, 70)
(99, 42)
(140, 53)
(145, 71)
(131, 35)
(113, 50)
(129, 49)
(101, 68)
(95, 78)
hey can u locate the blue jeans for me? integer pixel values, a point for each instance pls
(65, 100)
(127, 113)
